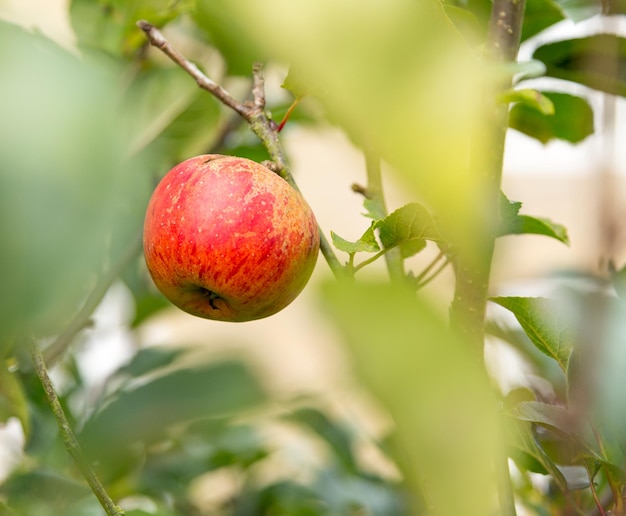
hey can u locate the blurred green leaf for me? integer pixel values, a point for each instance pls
(552, 416)
(13, 401)
(522, 70)
(531, 98)
(538, 16)
(372, 59)
(335, 434)
(110, 25)
(295, 84)
(542, 364)
(374, 209)
(572, 120)
(192, 132)
(149, 411)
(42, 492)
(147, 305)
(344, 494)
(240, 445)
(466, 21)
(512, 223)
(147, 360)
(367, 243)
(545, 324)
(597, 61)
(528, 453)
(64, 179)
(408, 227)
(155, 99)
(579, 10)
(428, 380)
(229, 35)
(540, 226)
(284, 497)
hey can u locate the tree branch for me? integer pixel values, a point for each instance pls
(157, 39)
(69, 439)
(253, 112)
(473, 265)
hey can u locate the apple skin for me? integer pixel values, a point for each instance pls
(227, 239)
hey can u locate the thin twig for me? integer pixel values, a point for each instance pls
(429, 267)
(69, 438)
(423, 281)
(157, 39)
(253, 112)
(393, 259)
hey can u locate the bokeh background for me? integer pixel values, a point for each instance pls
(298, 354)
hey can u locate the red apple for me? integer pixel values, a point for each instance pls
(225, 238)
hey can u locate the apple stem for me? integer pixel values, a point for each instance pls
(69, 438)
(252, 111)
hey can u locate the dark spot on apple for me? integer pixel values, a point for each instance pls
(211, 297)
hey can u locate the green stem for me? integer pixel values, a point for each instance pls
(261, 125)
(426, 281)
(374, 189)
(69, 439)
(420, 277)
(380, 253)
(473, 262)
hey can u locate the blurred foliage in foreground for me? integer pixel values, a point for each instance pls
(84, 136)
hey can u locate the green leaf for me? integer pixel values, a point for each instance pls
(618, 280)
(543, 321)
(531, 98)
(296, 84)
(13, 402)
(373, 209)
(466, 21)
(598, 62)
(56, 221)
(426, 377)
(512, 223)
(228, 36)
(367, 243)
(336, 435)
(110, 25)
(579, 10)
(154, 100)
(147, 360)
(524, 447)
(538, 16)
(558, 418)
(541, 226)
(409, 227)
(572, 120)
(43, 491)
(147, 412)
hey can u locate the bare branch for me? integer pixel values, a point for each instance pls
(157, 39)
(253, 112)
